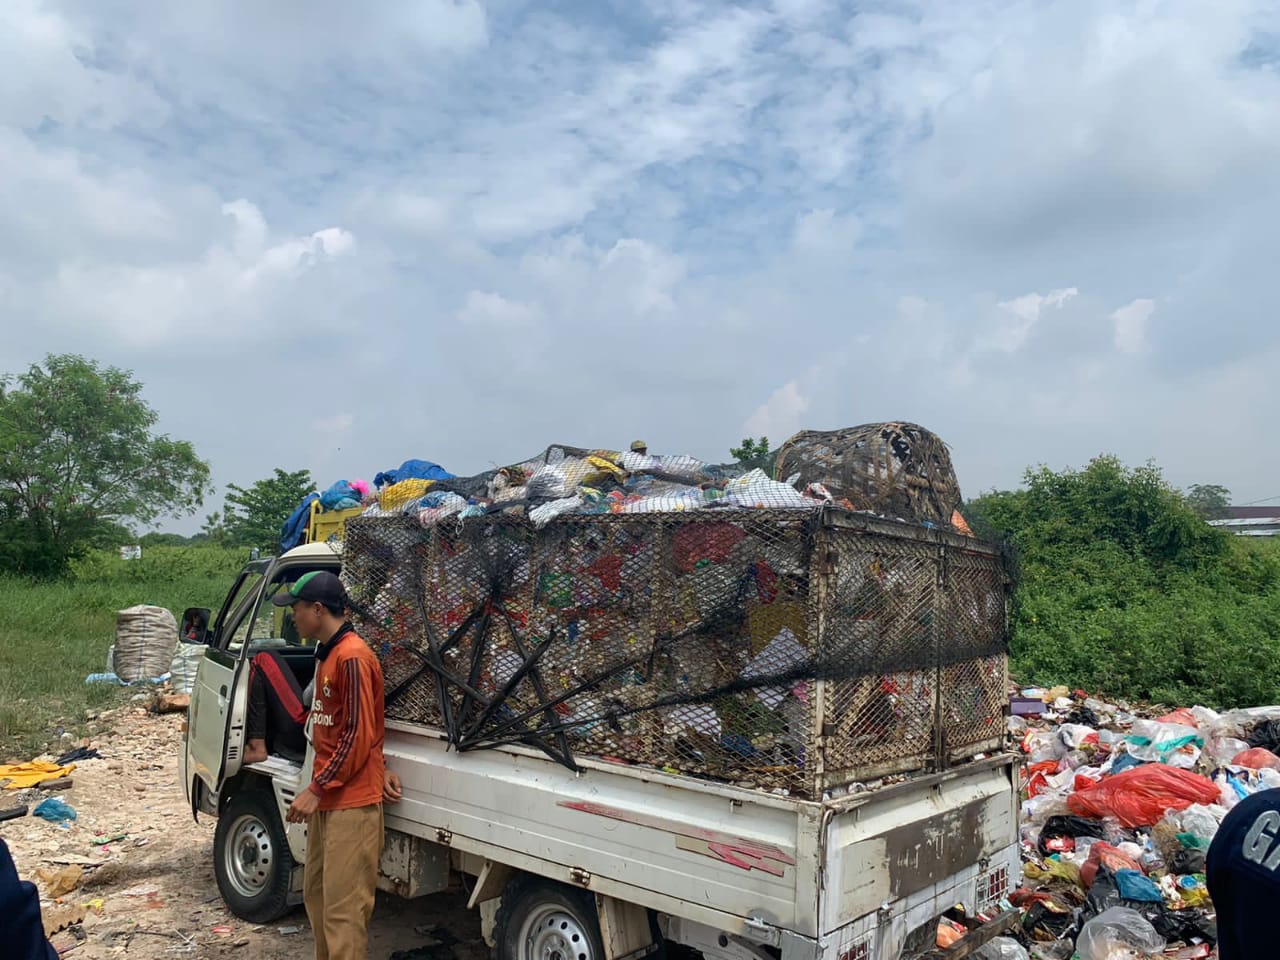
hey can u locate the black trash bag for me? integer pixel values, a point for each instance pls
(1185, 925)
(1040, 917)
(1187, 861)
(1066, 826)
(1266, 734)
(1084, 716)
(1103, 895)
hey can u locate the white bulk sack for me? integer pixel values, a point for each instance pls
(146, 639)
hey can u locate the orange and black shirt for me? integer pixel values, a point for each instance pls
(347, 723)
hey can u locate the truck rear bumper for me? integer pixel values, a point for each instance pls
(882, 935)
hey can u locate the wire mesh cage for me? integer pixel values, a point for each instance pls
(895, 469)
(793, 650)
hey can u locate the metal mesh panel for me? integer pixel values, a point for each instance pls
(974, 687)
(880, 720)
(768, 648)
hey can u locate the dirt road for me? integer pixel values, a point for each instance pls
(151, 894)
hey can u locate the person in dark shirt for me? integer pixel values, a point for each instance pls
(1242, 871)
(21, 928)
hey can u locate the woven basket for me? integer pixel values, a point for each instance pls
(895, 469)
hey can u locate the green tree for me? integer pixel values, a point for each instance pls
(755, 454)
(79, 459)
(1122, 589)
(214, 529)
(1209, 500)
(254, 516)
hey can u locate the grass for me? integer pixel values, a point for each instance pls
(53, 635)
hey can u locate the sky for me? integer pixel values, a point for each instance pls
(337, 236)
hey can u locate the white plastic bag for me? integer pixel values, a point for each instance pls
(1118, 933)
(1171, 743)
(1002, 948)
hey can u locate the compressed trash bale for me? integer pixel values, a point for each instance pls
(896, 469)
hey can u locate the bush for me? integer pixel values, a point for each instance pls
(1125, 591)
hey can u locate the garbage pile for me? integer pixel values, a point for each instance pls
(1119, 809)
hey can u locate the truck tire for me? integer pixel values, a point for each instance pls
(540, 919)
(251, 858)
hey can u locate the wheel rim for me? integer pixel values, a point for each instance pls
(248, 855)
(553, 933)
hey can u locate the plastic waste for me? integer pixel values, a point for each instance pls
(1173, 743)
(1256, 758)
(1141, 796)
(1116, 933)
(55, 810)
(1002, 948)
(1220, 751)
(1133, 885)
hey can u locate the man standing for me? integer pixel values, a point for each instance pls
(342, 806)
(1242, 871)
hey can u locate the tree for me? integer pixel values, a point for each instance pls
(253, 517)
(1209, 500)
(79, 459)
(214, 529)
(755, 454)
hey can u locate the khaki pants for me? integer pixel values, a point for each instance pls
(338, 881)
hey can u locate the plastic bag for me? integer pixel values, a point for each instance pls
(1103, 854)
(1106, 936)
(1002, 948)
(1141, 796)
(1173, 743)
(54, 810)
(1256, 758)
(1220, 751)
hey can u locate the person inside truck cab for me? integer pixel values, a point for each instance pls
(278, 708)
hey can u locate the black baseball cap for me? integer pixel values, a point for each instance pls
(318, 585)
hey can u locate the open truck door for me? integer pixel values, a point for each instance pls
(217, 698)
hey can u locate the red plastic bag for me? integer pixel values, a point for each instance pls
(1182, 715)
(1103, 854)
(1256, 758)
(1140, 796)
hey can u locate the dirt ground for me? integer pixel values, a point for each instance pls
(152, 894)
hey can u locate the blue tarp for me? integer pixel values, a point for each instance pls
(295, 527)
(340, 496)
(412, 470)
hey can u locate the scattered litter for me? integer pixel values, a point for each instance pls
(18, 776)
(60, 882)
(102, 840)
(54, 810)
(79, 753)
(289, 931)
(222, 930)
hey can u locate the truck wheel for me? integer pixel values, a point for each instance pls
(251, 858)
(543, 920)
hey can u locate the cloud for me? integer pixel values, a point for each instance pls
(1131, 325)
(215, 295)
(780, 416)
(1021, 314)
(589, 225)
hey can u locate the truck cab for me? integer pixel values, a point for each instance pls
(259, 851)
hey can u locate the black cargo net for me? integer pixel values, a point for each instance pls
(794, 650)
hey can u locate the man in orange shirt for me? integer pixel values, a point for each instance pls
(342, 806)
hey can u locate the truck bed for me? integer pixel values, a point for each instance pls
(744, 861)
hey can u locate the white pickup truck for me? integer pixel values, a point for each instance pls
(601, 859)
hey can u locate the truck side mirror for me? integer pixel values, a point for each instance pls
(195, 625)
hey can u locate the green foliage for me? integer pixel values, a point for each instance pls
(53, 634)
(253, 517)
(755, 454)
(1209, 500)
(79, 460)
(1124, 590)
